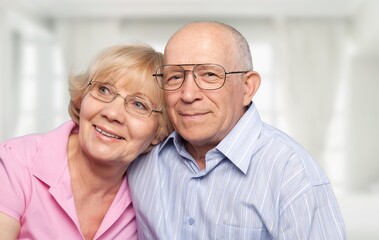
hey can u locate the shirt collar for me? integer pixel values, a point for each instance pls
(175, 139)
(237, 145)
(51, 160)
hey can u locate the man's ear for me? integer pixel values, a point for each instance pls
(252, 81)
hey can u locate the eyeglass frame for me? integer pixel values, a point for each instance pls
(116, 94)
(156, 75)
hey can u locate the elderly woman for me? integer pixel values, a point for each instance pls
(70, 183)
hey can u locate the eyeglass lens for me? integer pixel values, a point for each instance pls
(206, 76)
(107, 93)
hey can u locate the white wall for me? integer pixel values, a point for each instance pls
(320, 85)
(366, 29)
(364, 117)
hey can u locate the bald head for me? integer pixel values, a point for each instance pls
(228, 39)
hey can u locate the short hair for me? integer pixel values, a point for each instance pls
(136, 63)
(244, 58)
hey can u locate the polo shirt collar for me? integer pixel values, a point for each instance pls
(51, 160)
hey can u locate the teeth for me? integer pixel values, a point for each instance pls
(107, 134)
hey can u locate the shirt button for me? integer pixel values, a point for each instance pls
(191, 221)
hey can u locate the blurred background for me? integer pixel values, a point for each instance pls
(319, 62)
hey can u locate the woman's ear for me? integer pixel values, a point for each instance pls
(164, 128)
(156, 140)
(158, 136)
(252, 81)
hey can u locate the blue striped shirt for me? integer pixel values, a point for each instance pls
(258, 184)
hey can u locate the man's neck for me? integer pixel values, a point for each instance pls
(198, 153)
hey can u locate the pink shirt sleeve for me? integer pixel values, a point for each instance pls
(15, 182)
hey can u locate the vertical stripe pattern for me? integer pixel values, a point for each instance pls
(258, 184)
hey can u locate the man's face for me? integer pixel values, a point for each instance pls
(204, 117)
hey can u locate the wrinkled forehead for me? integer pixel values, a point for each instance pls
(198, 45)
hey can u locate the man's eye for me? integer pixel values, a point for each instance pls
(174, 77)
(210, 74)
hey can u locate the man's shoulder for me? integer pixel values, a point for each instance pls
(145, 161)
(277, 137)
(149, 163)
(298, 155)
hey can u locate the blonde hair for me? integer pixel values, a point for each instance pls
(136, 63)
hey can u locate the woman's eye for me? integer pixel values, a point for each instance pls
(140, 105)
(104, 90)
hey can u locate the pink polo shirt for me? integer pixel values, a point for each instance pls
(35, 189)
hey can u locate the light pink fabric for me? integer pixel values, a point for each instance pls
(35, 189)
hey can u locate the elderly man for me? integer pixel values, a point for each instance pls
(223, 173)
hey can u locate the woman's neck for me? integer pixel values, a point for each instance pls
(91, 176)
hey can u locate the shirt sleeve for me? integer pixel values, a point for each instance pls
(15, 182)
(313, 215)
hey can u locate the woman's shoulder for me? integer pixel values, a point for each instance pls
(27, 146)
(22, 148)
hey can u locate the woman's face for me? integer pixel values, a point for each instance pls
(109, 135)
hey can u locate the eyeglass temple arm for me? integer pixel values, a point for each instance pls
(236, 72)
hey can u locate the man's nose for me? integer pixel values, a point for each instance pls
(190, 89)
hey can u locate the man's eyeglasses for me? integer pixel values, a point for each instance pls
(134, 105)
(207, 76)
